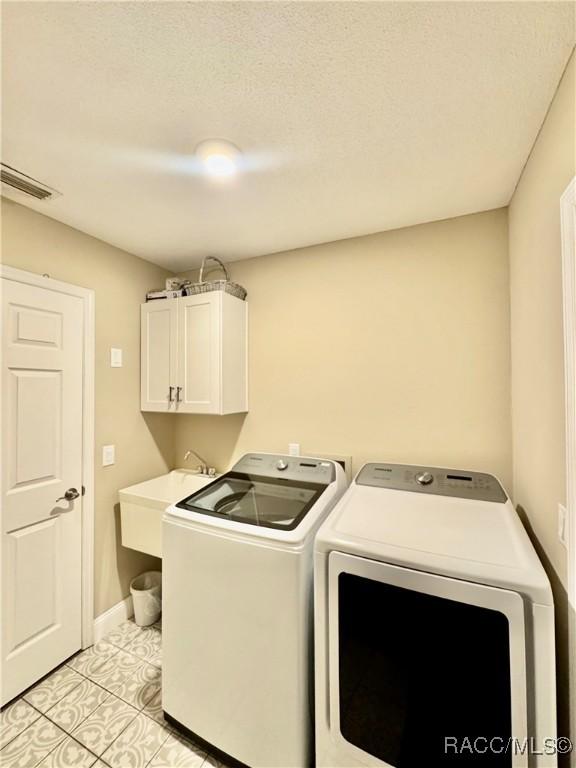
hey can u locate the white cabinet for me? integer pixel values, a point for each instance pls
(194, 354)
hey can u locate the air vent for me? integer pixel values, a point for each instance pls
(13, 180)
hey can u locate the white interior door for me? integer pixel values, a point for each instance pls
(41, 406)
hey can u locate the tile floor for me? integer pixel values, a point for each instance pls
(102, 708)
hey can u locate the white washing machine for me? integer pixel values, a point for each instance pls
(237, 627)
(434, 632)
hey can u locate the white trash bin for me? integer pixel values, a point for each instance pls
(146, 591)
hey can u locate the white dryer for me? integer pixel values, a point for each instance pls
(434, 632)
(237, 620)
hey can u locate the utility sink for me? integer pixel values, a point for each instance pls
(142, 506)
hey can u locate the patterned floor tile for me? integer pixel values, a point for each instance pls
(123, 634)
(177, 752)
(140, 687)
(146, 644)
(53, 688)
(93, 658)
(74, 708)
(156, 660)
(69, 754)
(137, 744)
(154, 709)
(35, 743)
(99, 730)
(109, 677)
(14, 719)
(116, 670)
(126, 662)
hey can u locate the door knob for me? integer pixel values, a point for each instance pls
(69, 495)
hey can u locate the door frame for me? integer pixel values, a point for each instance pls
(88, 382)
(568, 245)
(568, 234)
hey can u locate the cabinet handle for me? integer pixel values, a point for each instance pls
(178, 398)
(170, 394)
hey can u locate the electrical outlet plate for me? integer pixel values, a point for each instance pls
(563, 525)
(115, 357)
(293, 449)
(345, 461)
(108, 455)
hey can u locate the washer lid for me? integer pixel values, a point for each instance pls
(270, 502)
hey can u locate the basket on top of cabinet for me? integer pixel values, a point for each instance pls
(194, 354)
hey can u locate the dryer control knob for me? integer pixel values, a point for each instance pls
(424, 478)
(281, 465)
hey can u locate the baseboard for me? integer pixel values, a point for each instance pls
(110, 619)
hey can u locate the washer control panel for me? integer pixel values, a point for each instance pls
(286, 467)
(433, 480)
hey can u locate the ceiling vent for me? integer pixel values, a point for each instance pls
(16, 181)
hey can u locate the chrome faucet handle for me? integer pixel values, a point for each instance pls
(202, 466)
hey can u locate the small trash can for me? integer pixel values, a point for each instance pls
(146, 591)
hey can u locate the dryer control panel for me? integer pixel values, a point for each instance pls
(434, 480)
(288, 467)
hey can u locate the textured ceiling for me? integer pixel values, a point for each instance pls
(353, 117)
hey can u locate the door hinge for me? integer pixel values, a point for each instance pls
(83, 490)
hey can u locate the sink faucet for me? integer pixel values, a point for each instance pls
(203, 468)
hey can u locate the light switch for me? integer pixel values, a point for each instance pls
(108, 455)
(115, 357)
(293, 449)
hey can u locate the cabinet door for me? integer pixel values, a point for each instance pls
(199, 352)
(159, 340)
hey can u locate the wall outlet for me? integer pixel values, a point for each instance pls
(108, 455)
(293, 449)
(115, 357)
(563, 525)
(344, 461)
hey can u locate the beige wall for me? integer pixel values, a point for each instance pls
(392, 346)
(143, 443)
(536, 323)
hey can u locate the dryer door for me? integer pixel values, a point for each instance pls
(424, 670)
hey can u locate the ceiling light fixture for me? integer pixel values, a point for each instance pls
(220, 159)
